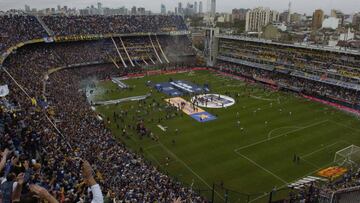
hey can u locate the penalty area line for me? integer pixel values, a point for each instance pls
(322, 148)
(261, 167)
(299, 178)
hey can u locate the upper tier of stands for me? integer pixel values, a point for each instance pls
(335, 68)
(15, 29)
(82, 25)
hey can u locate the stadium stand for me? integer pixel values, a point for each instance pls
(79, 25)
(41, 136)
(343, 190)
(18, 28)
(46, 123)
(330, 76)
(347, 97)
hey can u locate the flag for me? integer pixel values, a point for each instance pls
(4, 90)
(33, 102)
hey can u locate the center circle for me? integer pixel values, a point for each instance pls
(214, 101)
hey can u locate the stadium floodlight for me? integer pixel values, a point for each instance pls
(348, 156)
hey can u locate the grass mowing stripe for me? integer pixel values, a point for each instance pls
(188, 167)
(208, 148)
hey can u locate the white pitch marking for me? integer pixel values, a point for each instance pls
(258, 165)
(286, 127)
(181, 161)
(281, 135)
(322, 148)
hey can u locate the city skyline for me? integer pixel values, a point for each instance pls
(305, 6)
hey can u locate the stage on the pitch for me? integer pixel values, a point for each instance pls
(191, 110)
(180, 87)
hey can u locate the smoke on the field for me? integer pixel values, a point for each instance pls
(90, 87)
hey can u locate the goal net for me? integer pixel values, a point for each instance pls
(349, 156)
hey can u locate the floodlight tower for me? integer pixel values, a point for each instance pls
(289, 13)
(211, 45)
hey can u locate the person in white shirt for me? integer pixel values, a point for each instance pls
(87, 173)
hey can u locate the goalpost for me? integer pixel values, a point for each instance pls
(348, 156)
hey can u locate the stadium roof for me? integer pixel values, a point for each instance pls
(313, 47)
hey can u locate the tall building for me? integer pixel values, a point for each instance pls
(195, 7)
(288, 20)
(200, 7)
(339, 15)
(180, 8)
(283, 17)
(356, 21)
(189, 9)
(163, 9)
(213, 8)
(100, 10)
(259, 17)
(318, 18)
(295, 17)
(133, 10)
(27, 8)
(239, 14)
(141, 11)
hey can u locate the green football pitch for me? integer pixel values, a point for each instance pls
(250, 158)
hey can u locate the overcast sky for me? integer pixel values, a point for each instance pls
(301, 6)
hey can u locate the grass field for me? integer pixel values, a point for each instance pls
(252, 160)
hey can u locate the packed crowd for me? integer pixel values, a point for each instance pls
(18, 28)
(15, 29)
(283, 80)
(45, 57)
(127, 176)
(337, 189)
(39, 159)
(82, 25)
(34, 162)
(52, 154)
(327, 64)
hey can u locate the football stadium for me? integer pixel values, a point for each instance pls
(124, 108)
